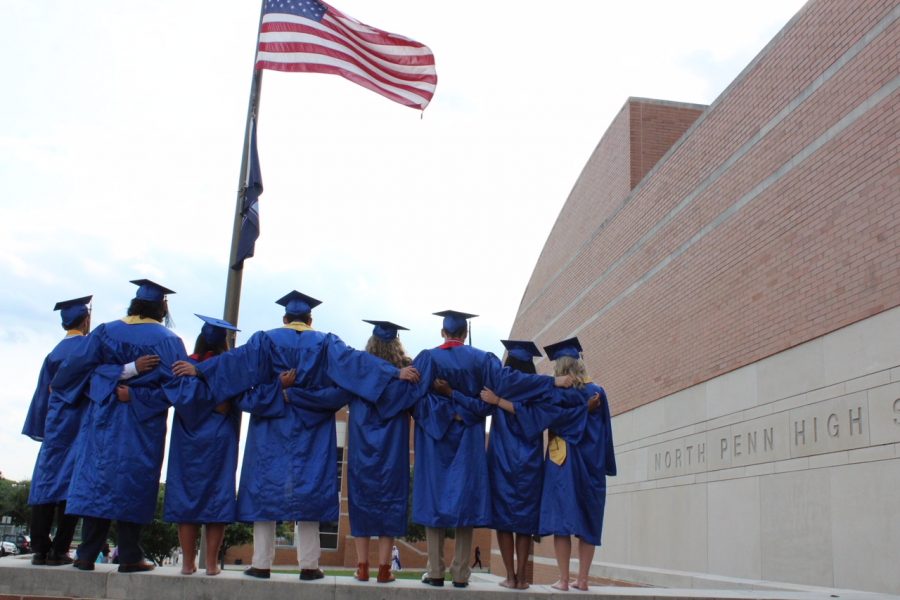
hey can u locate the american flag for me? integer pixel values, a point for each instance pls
(313, 37)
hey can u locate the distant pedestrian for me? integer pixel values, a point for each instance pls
(477, 558)
(395, 560)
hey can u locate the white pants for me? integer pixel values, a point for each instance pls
(306, 538)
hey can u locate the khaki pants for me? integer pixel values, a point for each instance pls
(459, 568)
(306, 538)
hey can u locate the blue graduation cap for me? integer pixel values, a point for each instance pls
(385, 329)
(73, 310)
(150, 291)
(521, 349)
(213, 330)
(454, 320)
(570, 347)
(296, 303)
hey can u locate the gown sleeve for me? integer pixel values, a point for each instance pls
(236, 371)
(357, 372)
(74, 374)
(513, 385)
(37, 411)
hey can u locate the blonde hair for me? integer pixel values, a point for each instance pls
(391, 351)
(568, 365)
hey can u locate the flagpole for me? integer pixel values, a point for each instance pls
(235, 276)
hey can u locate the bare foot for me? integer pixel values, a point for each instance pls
(562, 586)
(215, 571)
(186, 570)
(580, 585)
(508, 583)
(522, 585)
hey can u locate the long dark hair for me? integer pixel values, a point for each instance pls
(525, 366)
(202, 347)
(148, 309)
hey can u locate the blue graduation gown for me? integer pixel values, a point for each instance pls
(120, 450)
(290, 455)
(451, 482)
(55, 423)
(516, 457)
(574, 494)
(202, 463)
(37, 412)
(378, 462)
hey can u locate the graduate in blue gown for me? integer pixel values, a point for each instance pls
(378, 459)
(202, 463)
(575, 471)
(122, 438)
(55, 424)
(295, 378)
(515, 463)
(450, 486)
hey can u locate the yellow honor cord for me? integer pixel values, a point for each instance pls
(73, 332)
(299, 326)
(137, 320)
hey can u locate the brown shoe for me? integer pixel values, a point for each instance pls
(384, 574)
(259, 573)
(56, 560)
(311, 574)
(362, 572)
(83, 565)
(138, 567)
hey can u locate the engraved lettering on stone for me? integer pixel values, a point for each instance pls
(737, 445)
(897, 411)
(768, 439)
(815, 429)
(751, 442)
(701, 451)
(857, 420)
(800, 432)
(834, 428)
(677, 457)
(723, 447)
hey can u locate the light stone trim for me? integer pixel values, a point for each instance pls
(796, 481)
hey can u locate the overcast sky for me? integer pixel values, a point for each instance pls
(121, 126)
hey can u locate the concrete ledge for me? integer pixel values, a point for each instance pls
(20, 579)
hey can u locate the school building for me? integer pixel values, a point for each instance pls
(733, 274)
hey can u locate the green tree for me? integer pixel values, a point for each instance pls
(14, 500)
(236, 534)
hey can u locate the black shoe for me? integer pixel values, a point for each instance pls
(39, 559)
(311, 574)
(138, 567)
(83, 565)
(258, 573)
(460, 584)
(435, 581)
(57, 560)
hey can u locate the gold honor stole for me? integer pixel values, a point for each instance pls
(299, 326)
(137, 320)
(556, 449)
(557, 446)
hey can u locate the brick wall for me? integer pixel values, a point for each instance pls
(775, 220)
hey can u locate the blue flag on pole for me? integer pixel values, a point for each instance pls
(250, 204)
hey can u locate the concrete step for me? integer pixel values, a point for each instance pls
(19, 579)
